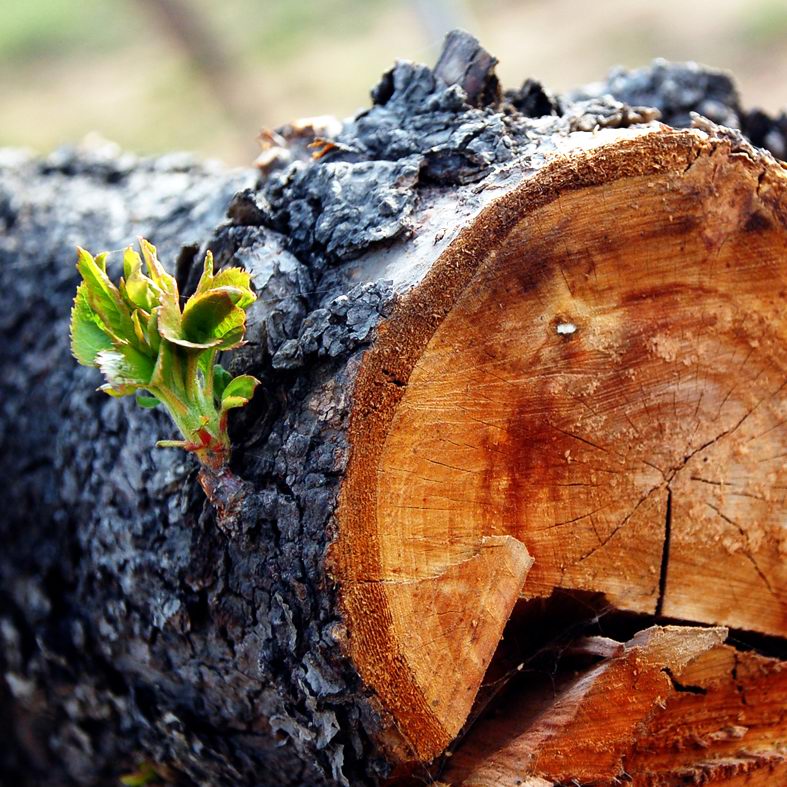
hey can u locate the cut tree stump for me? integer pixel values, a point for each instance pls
(515, 477)
(585, 392)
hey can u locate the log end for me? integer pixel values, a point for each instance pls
(590, 378)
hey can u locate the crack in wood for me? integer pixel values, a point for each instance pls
(620, 525)
(664, 568)
(668, 479)
(748, 550)
(686, 688)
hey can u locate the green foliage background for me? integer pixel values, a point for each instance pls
(112, 66)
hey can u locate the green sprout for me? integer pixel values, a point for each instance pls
(145, 345)
(144, 775)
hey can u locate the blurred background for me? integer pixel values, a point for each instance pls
(207, 75)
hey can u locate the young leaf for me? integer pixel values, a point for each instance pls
(169, 317)
(131, 261)
(103, 297)
(166, 371)
(206, 279)
(125, 368)
(156, 271)
(139, 330)
(221, 378)
(171, 444)
(88, 338)
(208, 316)
(235, 278)
(206, 308)
(152, 336)
(238, 391)
(205, 319)
(238, 279)
(142, 777)
(140, 291)
(143, 343)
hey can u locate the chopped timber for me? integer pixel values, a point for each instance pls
(670, 706)
(515, 469)
(585, 392)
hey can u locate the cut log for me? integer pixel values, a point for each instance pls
(671, 706)
(518, 373)
(592, 377)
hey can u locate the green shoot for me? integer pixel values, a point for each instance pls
(144, 775)
(145, 345)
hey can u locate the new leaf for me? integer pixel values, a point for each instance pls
(139, 338)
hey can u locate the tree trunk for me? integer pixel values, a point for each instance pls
(515, 471)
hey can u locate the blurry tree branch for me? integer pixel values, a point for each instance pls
(190, 30)
(437, 17)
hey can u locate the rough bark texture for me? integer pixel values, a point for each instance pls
(131, 628)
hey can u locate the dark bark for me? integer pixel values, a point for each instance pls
(679, 89)
(132, 627)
